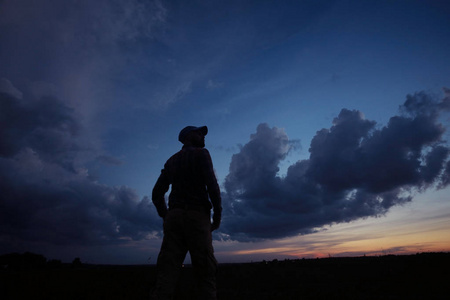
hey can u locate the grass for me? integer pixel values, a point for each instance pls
(422, 276)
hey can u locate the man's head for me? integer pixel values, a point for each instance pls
(193, 136)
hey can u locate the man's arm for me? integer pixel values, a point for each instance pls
(213, 189)
(159, 190)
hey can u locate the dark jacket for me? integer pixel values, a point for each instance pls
(191, 174)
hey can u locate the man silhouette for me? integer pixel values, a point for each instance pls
(187, 221)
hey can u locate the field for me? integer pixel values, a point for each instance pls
(421, 276)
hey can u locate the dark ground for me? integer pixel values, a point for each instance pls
(421, 276)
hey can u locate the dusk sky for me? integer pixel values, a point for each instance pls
(328, 124)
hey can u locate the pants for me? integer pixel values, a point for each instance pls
(186, 230)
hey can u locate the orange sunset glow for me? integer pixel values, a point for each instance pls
(410, 229)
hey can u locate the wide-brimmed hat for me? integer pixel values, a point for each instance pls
(186, 130)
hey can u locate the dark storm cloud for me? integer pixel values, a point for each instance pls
(355, 170)
(47, 126)
(46, 194)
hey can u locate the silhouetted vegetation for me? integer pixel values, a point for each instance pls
(421, 276)
(76, 263)
(26, 261)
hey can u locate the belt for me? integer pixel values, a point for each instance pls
(187, 206)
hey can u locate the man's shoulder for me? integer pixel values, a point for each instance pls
(199, 154)
(202, 151)
(196, 150)
(174, 157)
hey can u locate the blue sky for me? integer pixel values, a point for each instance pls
(94, 95)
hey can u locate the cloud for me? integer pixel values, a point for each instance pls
(87, 23)
(87, 50)
(46, 126)
(355, 170)
(7, 87)
(212, 85)
(47, 194)
(109, 160)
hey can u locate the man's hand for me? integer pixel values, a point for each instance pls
(216, 221)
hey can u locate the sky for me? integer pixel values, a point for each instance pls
(328, 124)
